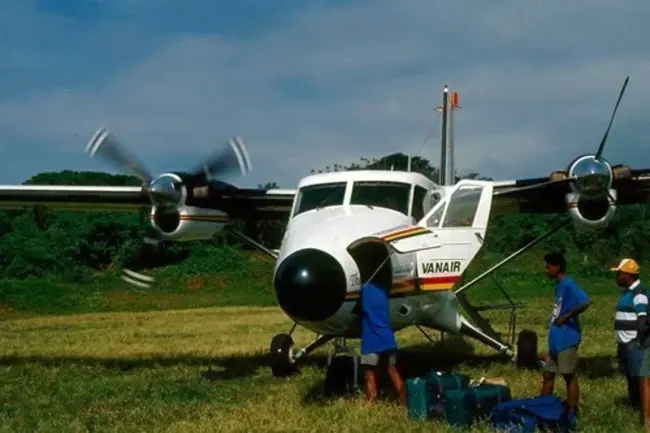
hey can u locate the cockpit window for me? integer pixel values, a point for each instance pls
(323, 195)
(391, 195)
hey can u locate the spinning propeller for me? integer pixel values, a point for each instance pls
(589, 175)
(594, 176)
(165, 192)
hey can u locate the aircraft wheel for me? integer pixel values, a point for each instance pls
(527, 356)
(281, 364)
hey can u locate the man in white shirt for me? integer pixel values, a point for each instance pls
(632, 337)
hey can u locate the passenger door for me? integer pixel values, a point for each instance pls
(459, 223)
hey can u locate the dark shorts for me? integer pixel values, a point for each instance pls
(372, 359)
(564, 362)
(634, 361)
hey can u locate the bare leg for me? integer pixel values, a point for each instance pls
(573, 392)
(371, 384)
(398, 383)
(644, 385)
(548, 383)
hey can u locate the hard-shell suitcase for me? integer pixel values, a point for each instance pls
(465, 406)
(425, 393)
(527, 355)
(342, 378)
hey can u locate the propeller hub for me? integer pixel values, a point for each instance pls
(166, 190)
(592, 176)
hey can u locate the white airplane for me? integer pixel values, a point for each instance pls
(400, 228)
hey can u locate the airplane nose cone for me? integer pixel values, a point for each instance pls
(310, 285)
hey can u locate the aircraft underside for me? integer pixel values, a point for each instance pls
(436, 309)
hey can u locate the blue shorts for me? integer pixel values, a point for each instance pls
(637, 361)
(645, 363)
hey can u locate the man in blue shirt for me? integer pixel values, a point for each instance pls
(378, 340)
(565, 334)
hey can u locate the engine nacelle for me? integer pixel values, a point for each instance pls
(187, 223)
(591, 212)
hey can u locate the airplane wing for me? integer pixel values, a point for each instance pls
(197, 188)
(548, 194)
(237, 202)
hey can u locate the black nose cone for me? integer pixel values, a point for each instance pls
(310, 285)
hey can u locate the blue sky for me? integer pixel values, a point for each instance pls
(307, 84)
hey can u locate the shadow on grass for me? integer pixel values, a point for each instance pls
(597, 367)
(218, 367)
(419, 360)
(454, 354)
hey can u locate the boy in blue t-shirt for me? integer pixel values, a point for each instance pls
(565, 334)
(378, 340)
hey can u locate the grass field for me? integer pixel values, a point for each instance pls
(206, 369)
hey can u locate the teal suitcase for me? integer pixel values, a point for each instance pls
(465, 406)
(425, 393)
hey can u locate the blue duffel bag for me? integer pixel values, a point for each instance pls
(543, 413)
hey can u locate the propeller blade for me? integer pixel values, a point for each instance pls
(599, 153)
(144, 258)
(108, 147)
(609, 195)
(232, 157)
(542, 185)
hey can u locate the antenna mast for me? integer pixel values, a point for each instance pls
(447, 170)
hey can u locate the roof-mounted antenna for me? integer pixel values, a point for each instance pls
(408, 163)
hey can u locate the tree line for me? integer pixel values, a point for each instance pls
(74, 246)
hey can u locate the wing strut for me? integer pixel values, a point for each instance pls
(250, 241)
(513, 256)
(481, 329)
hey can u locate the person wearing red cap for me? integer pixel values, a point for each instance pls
(632, 337)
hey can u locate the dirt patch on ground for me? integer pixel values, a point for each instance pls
(199, 282)
(6, 312)
(118, 297)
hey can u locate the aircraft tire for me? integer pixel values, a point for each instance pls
(527, 355)
(281, 365)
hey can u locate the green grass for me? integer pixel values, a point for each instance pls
(207, 370)
(192, 355)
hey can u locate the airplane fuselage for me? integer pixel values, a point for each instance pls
(328, 306)
(334, 245)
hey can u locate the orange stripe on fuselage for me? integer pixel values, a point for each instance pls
(411, 231)
(438, 283)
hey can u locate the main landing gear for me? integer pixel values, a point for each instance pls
(342, 376)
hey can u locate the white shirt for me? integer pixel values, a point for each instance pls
(625, 336)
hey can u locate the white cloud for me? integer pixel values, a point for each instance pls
(537, 81)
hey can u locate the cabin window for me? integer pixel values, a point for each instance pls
(434, 220)
(419, 209)
(323, 195)
(462, 206)
(391, 195)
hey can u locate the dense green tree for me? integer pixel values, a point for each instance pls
(74, 245)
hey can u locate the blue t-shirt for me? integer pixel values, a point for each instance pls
(568, 296)
(376, 330)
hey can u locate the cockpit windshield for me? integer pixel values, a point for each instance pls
(323, 195)
(391, 195)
